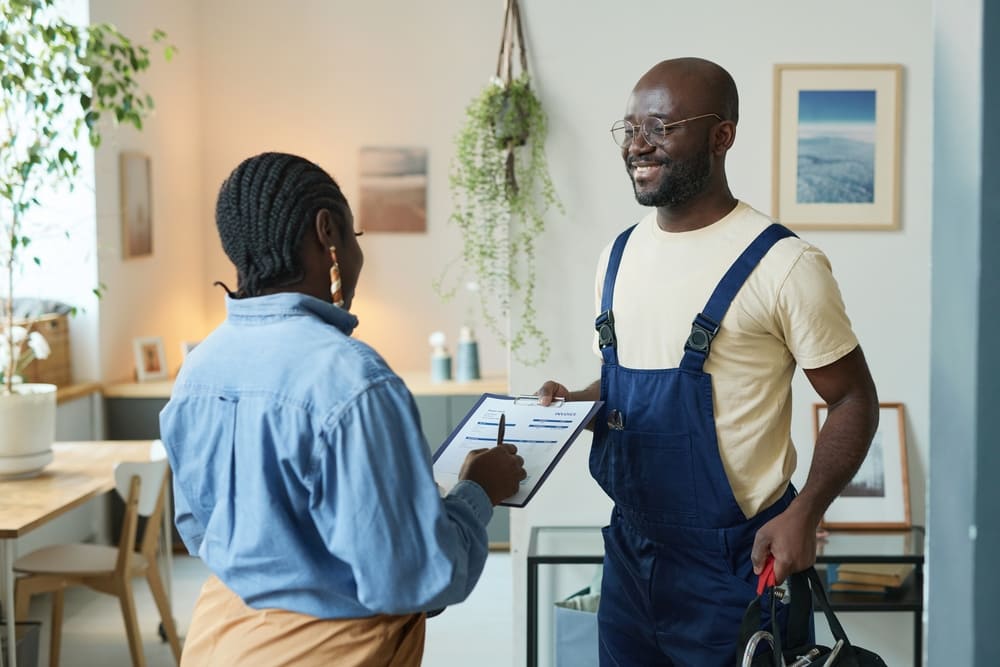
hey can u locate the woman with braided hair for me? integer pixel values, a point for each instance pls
(301, 476)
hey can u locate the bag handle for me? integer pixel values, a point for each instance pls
(766, 587)
(836, 629)
(805, 587)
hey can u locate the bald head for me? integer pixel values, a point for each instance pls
(701, 85)
(686, 110)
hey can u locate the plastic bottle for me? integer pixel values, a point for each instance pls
(440, 359)
(467, 356)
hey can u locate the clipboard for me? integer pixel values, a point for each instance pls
(541, 434)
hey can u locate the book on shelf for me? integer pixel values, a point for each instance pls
(851, 587)
(867, 577)
(893, 575)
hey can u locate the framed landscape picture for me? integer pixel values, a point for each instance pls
(393, 189)
(878, 496)
(836, 146)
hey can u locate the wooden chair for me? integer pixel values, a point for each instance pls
(107, 569)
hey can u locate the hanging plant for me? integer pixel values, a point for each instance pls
(501, 190)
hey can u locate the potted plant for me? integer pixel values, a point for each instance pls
(501, 190)
(58, 81)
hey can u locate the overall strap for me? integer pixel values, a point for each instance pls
(706, 323)
(605, 322)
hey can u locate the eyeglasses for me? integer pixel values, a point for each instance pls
(654, 130)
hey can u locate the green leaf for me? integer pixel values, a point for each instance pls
(57, 79)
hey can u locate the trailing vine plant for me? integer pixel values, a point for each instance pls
(501, 190)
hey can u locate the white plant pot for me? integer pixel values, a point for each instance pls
(27, 429)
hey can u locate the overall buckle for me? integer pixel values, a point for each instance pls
(605, 325)
(703, 331)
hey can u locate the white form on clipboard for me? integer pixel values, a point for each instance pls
(541, 434)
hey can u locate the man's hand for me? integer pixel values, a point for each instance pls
(791, 538)
(551, 390)
(499, 470)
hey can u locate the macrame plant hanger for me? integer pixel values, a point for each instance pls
(511, 37)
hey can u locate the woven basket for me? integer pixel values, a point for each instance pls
(56, 369)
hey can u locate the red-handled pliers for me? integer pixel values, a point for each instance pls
(766, 577)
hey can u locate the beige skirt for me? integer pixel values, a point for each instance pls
(226, 632)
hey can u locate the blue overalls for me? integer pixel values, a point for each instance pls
(677, 571)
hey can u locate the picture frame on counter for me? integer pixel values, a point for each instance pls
(150, 358)
(878, 496)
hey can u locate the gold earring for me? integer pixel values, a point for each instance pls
(338, 298)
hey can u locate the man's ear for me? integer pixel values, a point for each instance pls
(724, 136)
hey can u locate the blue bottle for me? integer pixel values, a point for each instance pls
(440, 359)
(467, 356)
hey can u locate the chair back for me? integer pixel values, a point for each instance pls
(151, 476)
(157, 451)
(142, 484)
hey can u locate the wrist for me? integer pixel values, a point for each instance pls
(808, 509)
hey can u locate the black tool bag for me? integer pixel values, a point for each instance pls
(798, 644)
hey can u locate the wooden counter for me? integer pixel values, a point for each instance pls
(418, 383)
(74, 391)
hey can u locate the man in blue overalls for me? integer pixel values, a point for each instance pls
(705, 309)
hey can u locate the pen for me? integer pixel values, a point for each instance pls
(500, 430)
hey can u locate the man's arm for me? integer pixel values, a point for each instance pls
(848, 389)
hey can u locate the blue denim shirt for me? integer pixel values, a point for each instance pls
(301, 475)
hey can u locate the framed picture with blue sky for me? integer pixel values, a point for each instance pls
(837, 146)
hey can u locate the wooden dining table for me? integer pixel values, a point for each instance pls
(78, 472)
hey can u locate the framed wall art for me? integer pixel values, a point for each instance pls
(878, 496)
(393, 189)
(837, 146)
(137, 205)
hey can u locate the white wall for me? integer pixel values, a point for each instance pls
(159, 295)
(323, 79)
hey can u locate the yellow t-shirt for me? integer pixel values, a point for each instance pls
(788, 312)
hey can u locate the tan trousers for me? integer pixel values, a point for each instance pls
(226, 632)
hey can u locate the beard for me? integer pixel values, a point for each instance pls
(684, 180)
